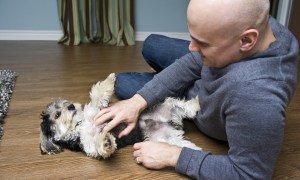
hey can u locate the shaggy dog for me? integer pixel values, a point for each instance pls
(67, 125)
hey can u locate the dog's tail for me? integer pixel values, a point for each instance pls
(102, 91)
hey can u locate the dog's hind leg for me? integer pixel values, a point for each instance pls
(102, 91)
(163, 132)
(172, 133)
(183, 108)
(181, 142)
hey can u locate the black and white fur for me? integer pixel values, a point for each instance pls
(67, 125)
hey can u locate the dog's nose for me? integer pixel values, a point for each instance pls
(71, 107)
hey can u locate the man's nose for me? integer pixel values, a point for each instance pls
(193, 47)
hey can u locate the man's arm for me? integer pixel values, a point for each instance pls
(175, 78)
(254, 128)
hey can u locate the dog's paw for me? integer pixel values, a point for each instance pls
(193, 146)
(102, 91)
(106, 145)
(182, 142)
(192, 107)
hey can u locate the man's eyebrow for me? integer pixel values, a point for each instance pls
(199, 41)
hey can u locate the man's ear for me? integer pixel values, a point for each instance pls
(248, 40)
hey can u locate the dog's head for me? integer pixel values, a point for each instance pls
(59, 127)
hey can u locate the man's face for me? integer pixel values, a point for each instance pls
(216, 51)
(216, 41)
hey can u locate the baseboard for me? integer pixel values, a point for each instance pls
(30, 35)
(56, 35)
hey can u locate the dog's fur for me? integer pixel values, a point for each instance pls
(66, 125)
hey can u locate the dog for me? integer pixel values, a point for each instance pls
(67, 125)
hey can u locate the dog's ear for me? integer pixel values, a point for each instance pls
(47, 145)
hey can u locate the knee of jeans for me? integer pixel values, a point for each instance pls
(122, 91)
(149, 45)
(119, 84)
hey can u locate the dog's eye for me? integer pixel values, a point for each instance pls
(57, 115)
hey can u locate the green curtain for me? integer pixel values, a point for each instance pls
(97, 21)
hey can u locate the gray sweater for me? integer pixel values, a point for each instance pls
(243, 103)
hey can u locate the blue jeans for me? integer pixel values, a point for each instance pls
(159, 52)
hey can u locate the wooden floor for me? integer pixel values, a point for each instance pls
(48, 70)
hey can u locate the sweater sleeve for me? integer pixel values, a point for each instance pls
(254, 127)
(177, 77)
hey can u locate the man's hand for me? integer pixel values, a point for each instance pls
(126, 111)
(156, 155)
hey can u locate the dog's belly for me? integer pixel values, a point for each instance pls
(133, 137)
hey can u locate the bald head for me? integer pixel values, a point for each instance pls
(226, 31)
(232, 16)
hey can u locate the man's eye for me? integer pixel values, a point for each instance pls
(57, 115)
(202, 44)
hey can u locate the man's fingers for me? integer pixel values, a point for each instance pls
(136, 153)
(139, 160)
(137, 146)
(103, 111)
(127, 130)
(113, 123)
(105, 117)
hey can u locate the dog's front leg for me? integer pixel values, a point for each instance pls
(95, 143)
(105, 145)
(102, 91)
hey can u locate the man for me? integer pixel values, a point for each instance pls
(243, 67)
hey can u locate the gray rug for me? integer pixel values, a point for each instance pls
(7, 83)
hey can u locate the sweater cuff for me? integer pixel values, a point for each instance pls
(190, 161)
